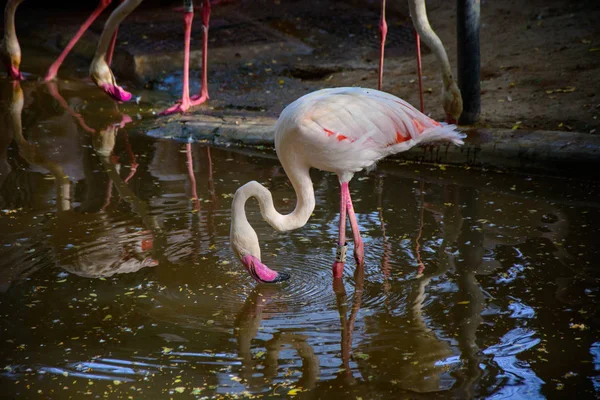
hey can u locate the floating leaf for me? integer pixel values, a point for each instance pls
(179, 389)
(463, 302)
(107, 317)
(362, 356)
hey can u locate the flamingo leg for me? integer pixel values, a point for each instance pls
(359, 249)
(338, 265)
(203, 96)
(185, 96)
(420, 71)
(383, 30)
(53, 70)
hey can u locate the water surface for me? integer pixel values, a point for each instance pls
(117, 280)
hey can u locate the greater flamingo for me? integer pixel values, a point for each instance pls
(451, 97)
(10, 51)
(339, 130)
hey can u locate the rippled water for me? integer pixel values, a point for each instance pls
(117, 281)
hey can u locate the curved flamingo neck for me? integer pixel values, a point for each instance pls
(418, 14)
(243, 236)
(305, 203)
(9, 19)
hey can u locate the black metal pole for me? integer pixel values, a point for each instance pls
(469, 59)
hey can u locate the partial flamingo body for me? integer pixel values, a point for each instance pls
(340, 130)
(10, 51)
(451, 96)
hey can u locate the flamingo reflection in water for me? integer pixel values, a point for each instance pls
(95, 256)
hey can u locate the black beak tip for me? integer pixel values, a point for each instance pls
(281, 277)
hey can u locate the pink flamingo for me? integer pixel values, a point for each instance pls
(451, 97)
(10, 51)
(340, 130)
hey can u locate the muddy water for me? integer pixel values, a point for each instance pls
(117, 281)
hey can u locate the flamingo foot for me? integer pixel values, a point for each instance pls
(179, 107)
(52, 72)
(338, 269)
(116, 92)
(261, 272)
(198, 99)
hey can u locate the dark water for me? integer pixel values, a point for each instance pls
(117, 281)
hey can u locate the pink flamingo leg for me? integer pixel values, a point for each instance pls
(420, 71)
(338, 265)
(203, 96)
(359, 249)
(53, 70)
(383, 29)
(185, 97)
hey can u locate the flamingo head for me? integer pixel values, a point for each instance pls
(260, 272)
(103, 77)
(245, 245)
(452, 102)
(10, 53)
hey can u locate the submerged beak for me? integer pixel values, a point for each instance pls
(261, 272)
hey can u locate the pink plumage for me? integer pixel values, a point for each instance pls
(341, 130)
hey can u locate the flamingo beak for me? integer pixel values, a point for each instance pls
(261, 273)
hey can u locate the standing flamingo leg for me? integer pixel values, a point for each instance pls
(420, 72)
(340, 254)
(53, 70)
(203, 96)
(383, 30)
(359, 249)
(185, 97)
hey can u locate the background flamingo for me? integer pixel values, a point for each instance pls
(10, 51)
(340, 130)
(451, 97)
(102, 75)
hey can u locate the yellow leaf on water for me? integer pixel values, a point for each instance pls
(107, 317)
(293, 392)
(179, 389)
(463, 302)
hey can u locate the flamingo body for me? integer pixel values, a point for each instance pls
(340, 130)
(344, 130)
